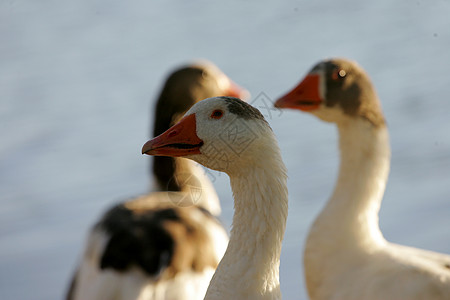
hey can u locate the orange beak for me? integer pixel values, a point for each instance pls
(304, 96)
(236, 91)
(179, 140)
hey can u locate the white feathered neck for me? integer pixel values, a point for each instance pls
(250, 266)
(347, 229)
(363, 172)
(346, 255)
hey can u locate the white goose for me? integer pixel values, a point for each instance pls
(346, 255)
(161, 245)
(229, 135)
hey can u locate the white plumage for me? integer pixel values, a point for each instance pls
(229, 135)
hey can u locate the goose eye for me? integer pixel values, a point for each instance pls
(339, 74)
(217, 114)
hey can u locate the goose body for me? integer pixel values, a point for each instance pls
(166, 244)
(346, 255)
(229, 135)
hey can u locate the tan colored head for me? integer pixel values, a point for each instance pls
(188, 85)
(336, 90)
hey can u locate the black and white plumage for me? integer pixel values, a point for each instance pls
(167, 244)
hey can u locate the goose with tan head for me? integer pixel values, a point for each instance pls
(346, 255)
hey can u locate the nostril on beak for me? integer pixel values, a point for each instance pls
(173, 133)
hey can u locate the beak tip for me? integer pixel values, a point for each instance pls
(277, 103)
(245, 95)
(146, 148)
(234, 90)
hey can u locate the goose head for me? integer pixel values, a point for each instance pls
(336, 90)
(183, 88)
(221, 133)
(188, 85)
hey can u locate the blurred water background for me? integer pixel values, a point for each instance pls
(77, 85)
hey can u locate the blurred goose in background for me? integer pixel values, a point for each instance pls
(167, 244)
(251, 157)
(346, 255)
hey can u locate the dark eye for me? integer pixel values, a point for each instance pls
(217, 114)
(338, 74)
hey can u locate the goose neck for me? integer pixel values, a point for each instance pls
(363, 172)
(250, 267)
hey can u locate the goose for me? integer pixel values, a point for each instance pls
(166, 244)
(346, 255)
(231, 136)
